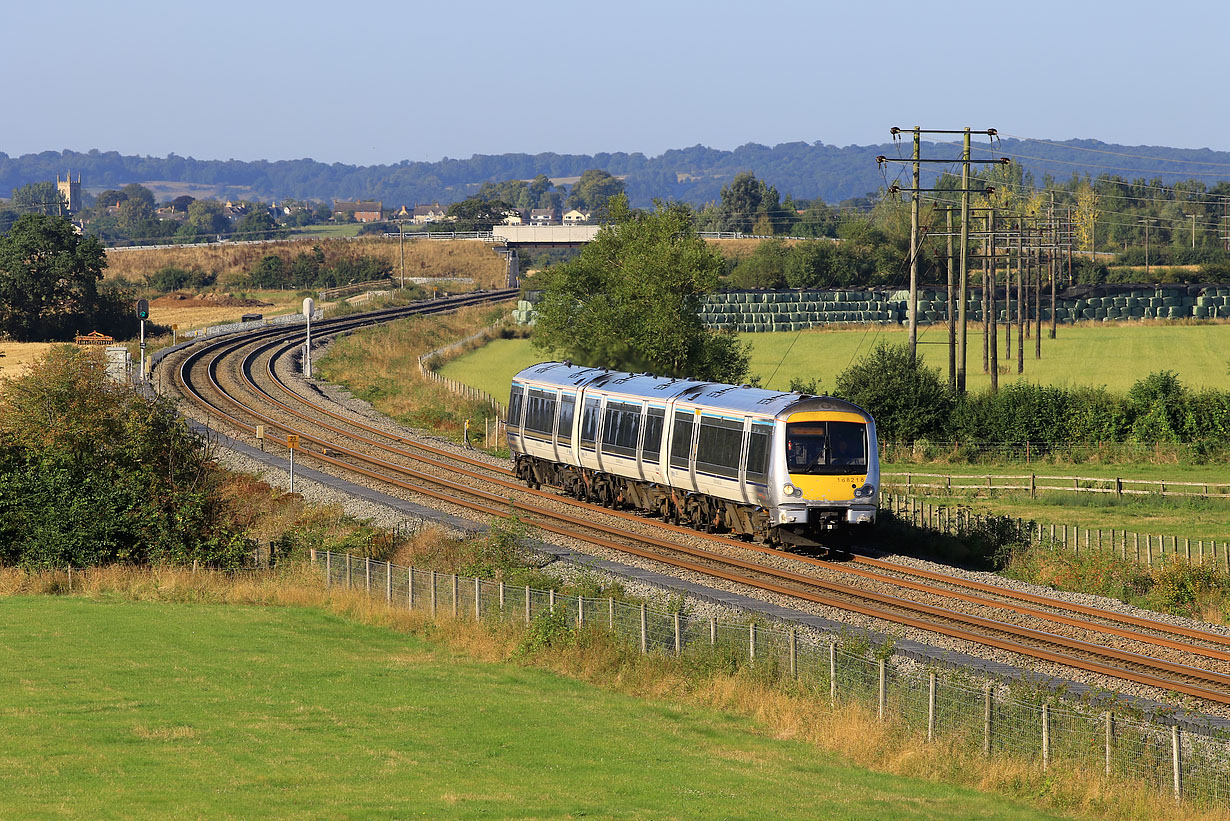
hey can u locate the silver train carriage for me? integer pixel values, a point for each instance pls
(773, 466)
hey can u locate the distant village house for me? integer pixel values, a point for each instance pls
(575, 217)
(425, 214)
(361, 210)
(544, 216)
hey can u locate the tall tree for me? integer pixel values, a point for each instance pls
(593, 190)
(631, 299)
(39, 198)
(48, 278)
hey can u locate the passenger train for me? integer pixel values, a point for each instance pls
(777, 467)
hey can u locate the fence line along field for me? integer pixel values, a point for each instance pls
(230, 262)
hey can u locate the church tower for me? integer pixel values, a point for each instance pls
(71, 191)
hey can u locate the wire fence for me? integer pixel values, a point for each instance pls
(1144, 548)
(1182, 758)
(1032, 482)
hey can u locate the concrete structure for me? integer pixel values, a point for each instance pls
(544, 234)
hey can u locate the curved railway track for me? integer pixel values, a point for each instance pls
(225, 377)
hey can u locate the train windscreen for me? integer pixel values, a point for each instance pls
(830, 448)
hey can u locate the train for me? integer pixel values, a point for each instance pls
(779, 467)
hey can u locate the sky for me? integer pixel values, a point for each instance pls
(376, 83)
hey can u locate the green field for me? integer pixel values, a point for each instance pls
(1112, 355)
(120, 709)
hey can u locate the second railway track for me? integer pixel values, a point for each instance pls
(237, 383)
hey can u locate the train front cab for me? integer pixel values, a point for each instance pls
(830, 473)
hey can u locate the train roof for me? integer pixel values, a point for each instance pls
(644, 386)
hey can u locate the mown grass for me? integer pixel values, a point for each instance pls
(320, 704)
(1113, 355)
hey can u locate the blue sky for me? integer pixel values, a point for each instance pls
(364, 83)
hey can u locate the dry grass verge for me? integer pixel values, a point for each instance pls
(783, 712)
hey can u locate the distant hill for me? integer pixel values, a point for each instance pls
(694, 174)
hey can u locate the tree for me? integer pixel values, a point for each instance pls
(48, 278)
(206, 220)
(139, 193)
(593, 190)
(631, 300)
(257, 224)
(39, 198)
(476, 214)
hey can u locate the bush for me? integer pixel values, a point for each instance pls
(92, 473)
(908, 400)
(171, 278)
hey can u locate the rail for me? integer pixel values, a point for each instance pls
(1080, 484)
(1166, 753)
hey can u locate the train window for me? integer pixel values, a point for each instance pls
(589, 422)
(540, 411)
(563, 431)
(720, 446)
(514, 406)
(621, 427)
(758, 452)
(826, 447)
(654, 420)
(681, 440)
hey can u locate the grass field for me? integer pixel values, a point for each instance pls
(1112, 355)
(117, 708)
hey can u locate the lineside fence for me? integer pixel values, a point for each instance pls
(1170, 754)
(1145, 548)
(1078, 484)
(430, 361)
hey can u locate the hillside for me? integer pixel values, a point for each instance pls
(694, 174)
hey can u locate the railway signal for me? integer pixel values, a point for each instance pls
(142, 314)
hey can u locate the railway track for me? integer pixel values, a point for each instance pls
(237, 382)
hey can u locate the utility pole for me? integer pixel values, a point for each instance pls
(1050, 216)
(914, 248)
(1193, 219)
(1020, 297)
(986, 307)
(1147, 221)
(965, 191)
(952, 310)
(1038, 298)
(401, 241)
(992, 317)
(964, 287)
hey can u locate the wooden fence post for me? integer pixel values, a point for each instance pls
(678, 635)
(433, 594)
(1176, 756)
(986, 723)
(883, 690)
(644, 631)
(833, 671)
(1046, 737)
(1110, 736)
(931, 707)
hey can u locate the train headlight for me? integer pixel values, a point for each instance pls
(789, 489)
(864, 491)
